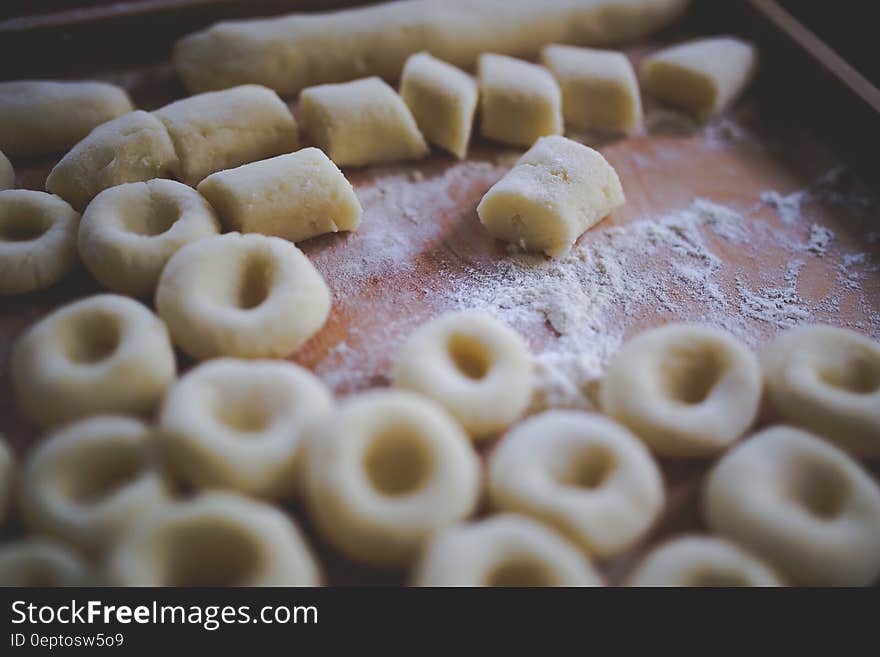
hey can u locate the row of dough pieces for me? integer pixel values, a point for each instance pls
(365, 122)
(382, 471)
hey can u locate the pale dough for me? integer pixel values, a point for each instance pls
(224, 129)
(87, 482)
(294, 196)
(688, 391)
(7, 173)
(479, 369)
(361, 122)
(241, 425)
(38, 117)
(134, 147)
(292, 52)
(519, 101)
(214, 539)
(827, 380)
(249, 296)
(581, 473)
(443, 100)
(503, 550)
(129, 232)
(555, 192)
(38, 562)
(802, 504)
(386, 470)
(599, 88)
(102, 354)
(37, 240)
(700, 77)
(702, 561)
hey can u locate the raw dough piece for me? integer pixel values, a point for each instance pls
(700, 77)
(249, 296)
(555, 192)
(130, 231)
(37, 240)
(361, 122)
(702, 561)
(291, 52)
(504, 550)
(827, 380)
(102, 354)
(38, 562)
(294, 196)
(443, 100)
(599, 88)
(473, 365)
(7, 173)
(86, 483)
(214, 539)
(135, 147)
(581, 473)
(38, 117)
(802, 504)
(224, 129)
(241, 424)
(386, 470)
(7, 478)
(519, 101)
(688, 391)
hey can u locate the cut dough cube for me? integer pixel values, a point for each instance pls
(133, 148)
(443, 100)
(519, 101)
(46, 116)
(700, 77)
(7, 174)
(599, 88)
(294, 196)
(361, 122)
(556, 191)
(224, 129)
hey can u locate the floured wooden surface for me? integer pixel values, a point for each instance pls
(746, 223)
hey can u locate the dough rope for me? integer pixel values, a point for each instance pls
(294, 196)
(477, 368)
(386, 470)
(86, 483)
(504, 550)
(129, 232)
(361, 122)
(827, 380)
(248, 296)
(555, 192)
(241, 425)
(802, 504)
(214, 539)
(39, 117)
(688, 391)
(37, 240)
(102, 354)
(38, 562)
(702, 561)
(581, 473)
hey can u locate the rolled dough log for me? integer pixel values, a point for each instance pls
(519, 101)
(7, 175)
(132, 148)
(224, 129)
(294, 196)
(292, 52)
(599, 88)
(556, 191)
(700, 77)
(361, 122)
(443, 100)
(43, 116)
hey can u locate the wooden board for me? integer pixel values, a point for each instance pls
(807, 251)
